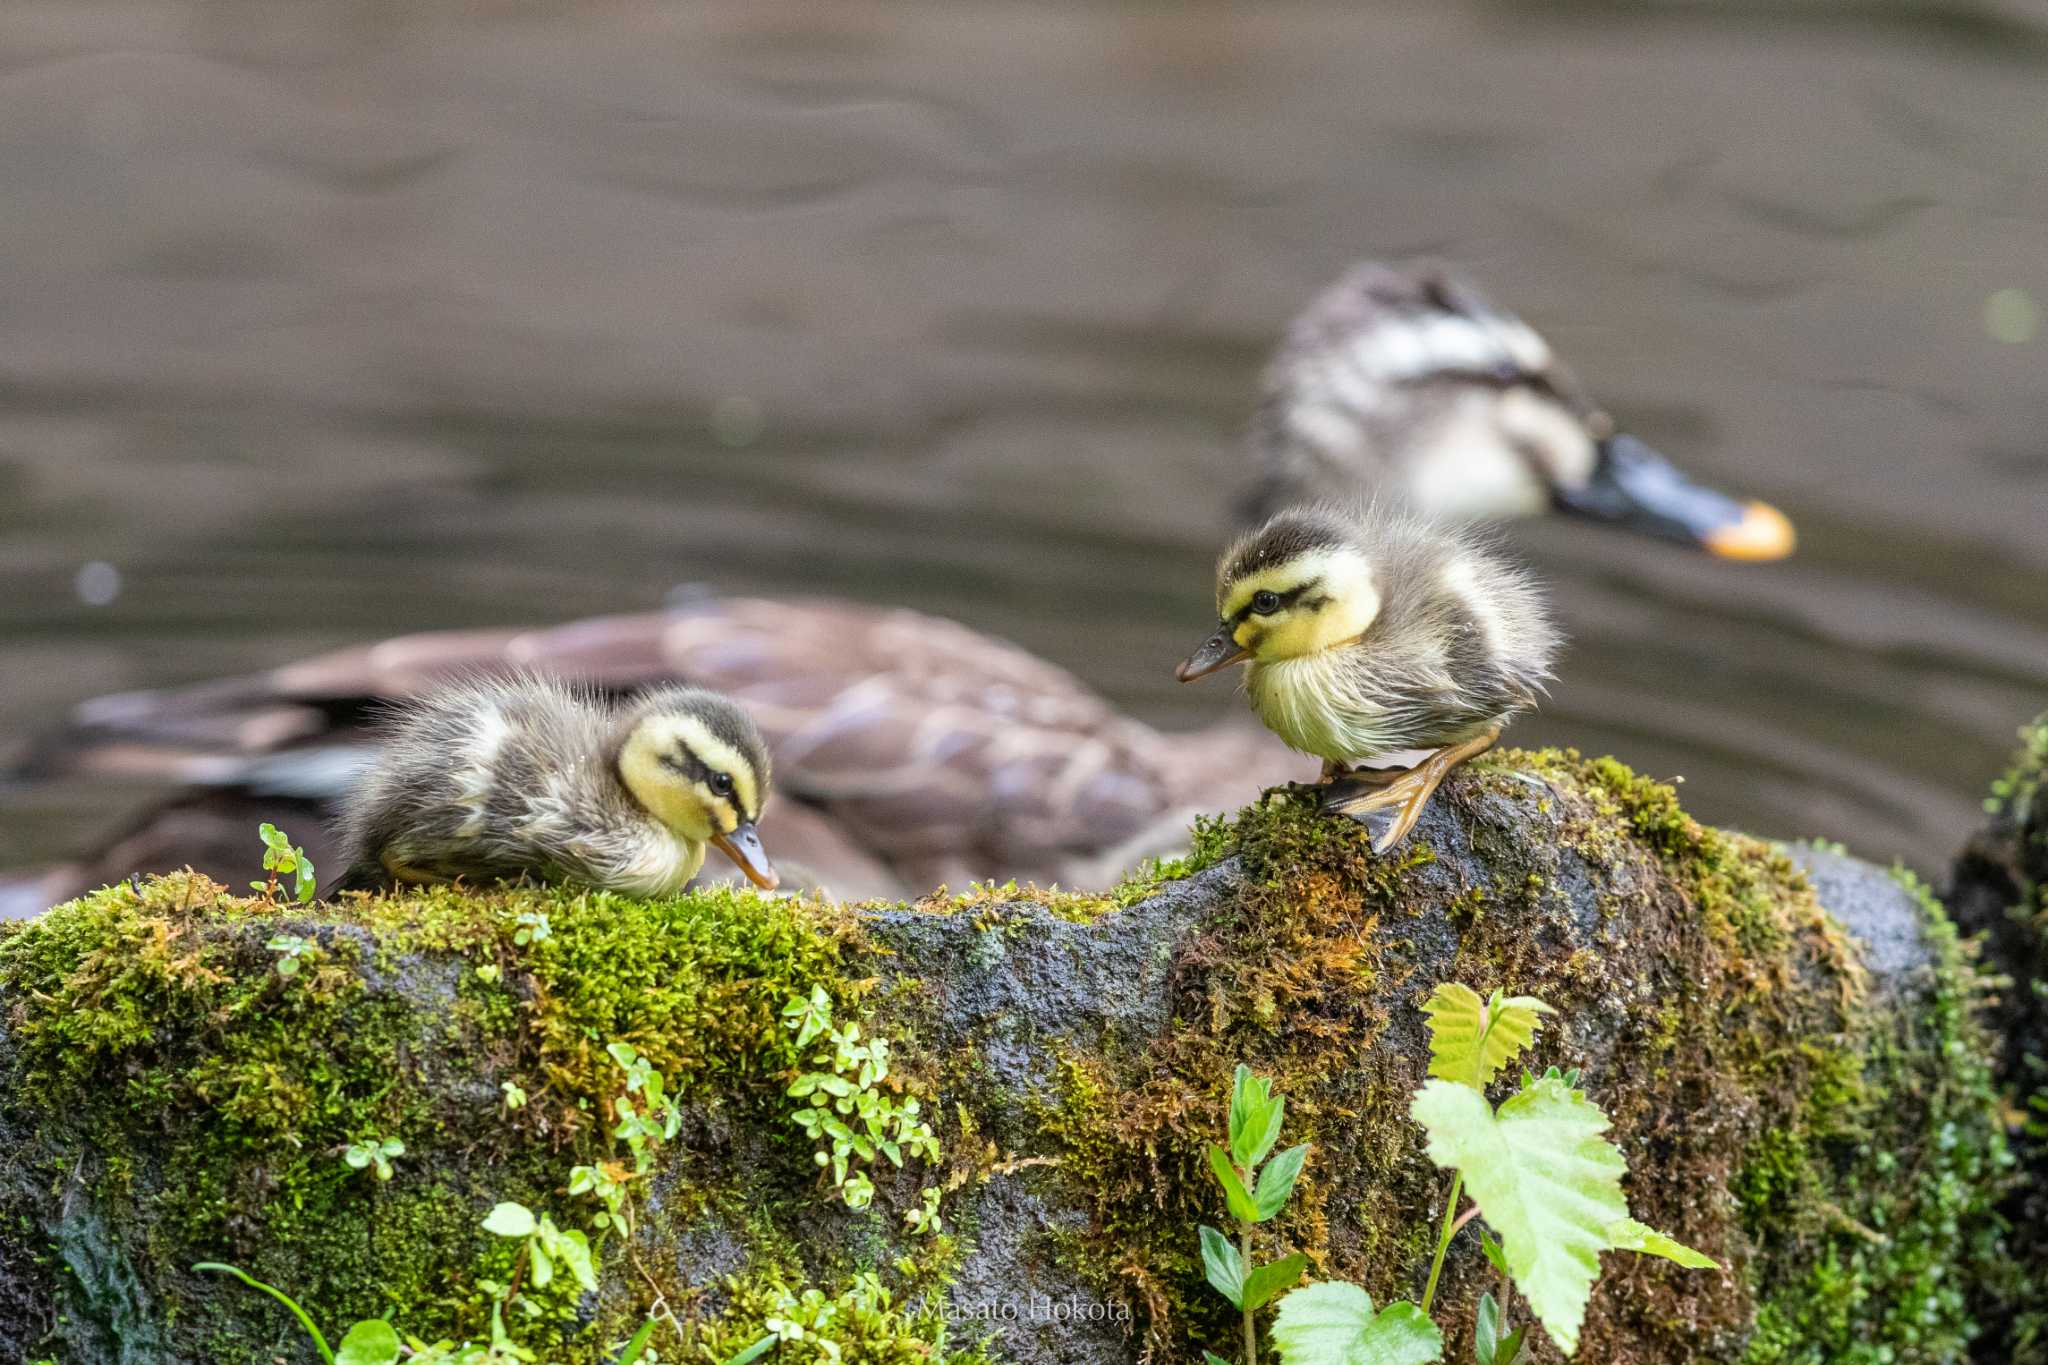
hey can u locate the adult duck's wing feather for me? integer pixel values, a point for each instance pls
(944, 753)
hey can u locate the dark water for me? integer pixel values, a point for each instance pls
(325, 321)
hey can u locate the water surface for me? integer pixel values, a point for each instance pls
(326, 321)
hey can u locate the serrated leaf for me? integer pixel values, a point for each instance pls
(370, 1342)
(1222, 1266)
(1471, 1039)
(1543, 1178)
(1262, 1284)
(1334, 1324)
(1255, 1117)
(510, 1220)
(1276, 1182)
(1629, 1235)
(1234, 1193)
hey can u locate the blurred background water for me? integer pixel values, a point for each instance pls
(322, 320)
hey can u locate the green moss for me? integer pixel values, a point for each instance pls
(1751, 1010)
(862, 1323)
(196, 1099)
(1898, 1162)
(149, 1009)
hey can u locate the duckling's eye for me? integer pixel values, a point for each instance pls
(722, 783)
(1265, 603)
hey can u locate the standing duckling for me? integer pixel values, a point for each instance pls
(494, 779)
(1370, 636)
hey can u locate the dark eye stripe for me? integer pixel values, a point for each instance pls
(1287, 599)
(692, 768)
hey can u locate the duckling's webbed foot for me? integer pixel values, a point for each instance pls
(1388, 802)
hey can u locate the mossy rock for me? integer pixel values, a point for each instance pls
(1786, 1041)
(1998, 890)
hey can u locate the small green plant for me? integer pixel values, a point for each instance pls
(374, 1341)
(544, 1248)
(643, 1125)
(848, 1113)
(545, 1252)
(279, 855)
(925, 1219)
(292, 952)
(1538, 1171)
(532, 928)
(373, 1153)
(1254, 1196)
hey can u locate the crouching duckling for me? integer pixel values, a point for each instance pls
(494, 779)
(1372, 635)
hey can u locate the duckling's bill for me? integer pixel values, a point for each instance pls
(743, 846)
(1216, 653)
(1635, 487)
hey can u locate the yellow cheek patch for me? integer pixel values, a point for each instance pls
(1279, 578)
(724, 818)
(696, 736)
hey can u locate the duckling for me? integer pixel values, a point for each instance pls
(489, 779)
(914, 750)
(1372, 635)
(909, 750)
(1412, 385)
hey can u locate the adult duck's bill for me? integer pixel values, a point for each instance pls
(1219, 651)
(1635, 487)
(743, 846)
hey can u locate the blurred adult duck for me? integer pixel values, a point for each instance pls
(908, 750)
(1410, 386)
(911, 750)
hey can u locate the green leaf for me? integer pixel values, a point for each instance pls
(1234, 1192)
(1262, 1284)
(1513, 1348)
(1486, 1329)
(573, 1248)
(1543, 1178)
(1471, 1039)
(319, 1342)
(639, 1344)
(1276, 1182)
(1629, 1235)
(1334, 1324)
(1211, 1358)
(371, 1342)
(1491, 1248)
(543, 1266)
(1223, 1266)
(746, 1357)
(1255, 1117)
(510, 1220)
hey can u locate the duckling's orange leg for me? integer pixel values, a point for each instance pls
(1389, 804)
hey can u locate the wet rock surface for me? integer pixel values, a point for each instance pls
(1074, 1054)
